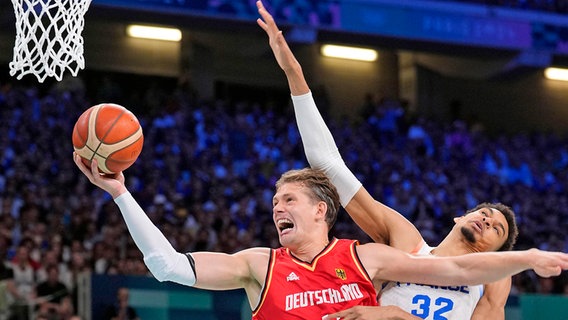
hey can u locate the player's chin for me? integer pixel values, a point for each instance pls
(470, 234)
(286, 237)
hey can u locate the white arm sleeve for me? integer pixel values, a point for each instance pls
(165, 263)
(320, 148)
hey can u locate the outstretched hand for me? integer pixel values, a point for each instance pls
(111, 183)
(284, 56)
(548, 264)
(282, 52)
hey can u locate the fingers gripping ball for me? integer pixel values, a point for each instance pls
(109, 133)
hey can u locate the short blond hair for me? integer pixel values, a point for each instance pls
(321, 189)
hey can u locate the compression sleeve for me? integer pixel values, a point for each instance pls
(320, 148)
(165, 263)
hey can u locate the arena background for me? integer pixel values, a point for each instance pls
(478, 61)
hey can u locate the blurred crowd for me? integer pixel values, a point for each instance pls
(318, 13)
(305, 12)
(328, 12)
(553, 6)
(206, 177)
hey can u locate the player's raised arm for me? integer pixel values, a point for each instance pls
(382, 223)
(286, 60)
(203, 269)
(386, 263)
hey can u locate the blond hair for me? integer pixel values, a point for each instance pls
(320, 187)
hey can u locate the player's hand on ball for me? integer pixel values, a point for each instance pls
(111, 183)
(109, 133)
(548, 264)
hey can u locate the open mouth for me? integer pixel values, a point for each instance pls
(478, 226)
(284, 225)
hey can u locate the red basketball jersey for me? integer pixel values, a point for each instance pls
(335, 280)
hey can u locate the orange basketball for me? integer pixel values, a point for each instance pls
(109, 133)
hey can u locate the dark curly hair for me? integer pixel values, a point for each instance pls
(509, 216)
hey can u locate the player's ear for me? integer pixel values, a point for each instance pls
(321, 210)
(457, 219)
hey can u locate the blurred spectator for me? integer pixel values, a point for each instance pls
(24, 281)
(121, 309)
(7, 291)
(51, 293)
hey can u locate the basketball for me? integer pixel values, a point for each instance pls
(109, 133)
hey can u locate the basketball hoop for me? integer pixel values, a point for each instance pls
(48, 38)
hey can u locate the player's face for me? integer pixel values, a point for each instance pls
(294, 213)
(485, 229)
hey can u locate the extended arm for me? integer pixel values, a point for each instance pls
(286, 60)
(213, 270)
(386, 263)
(160, 257)
(382, 223)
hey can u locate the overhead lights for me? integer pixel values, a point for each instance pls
(352, 53)
(556, 74)
(151, 32)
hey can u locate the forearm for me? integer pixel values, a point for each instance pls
(160, 257)
(489, 267)
(320, 148)
(296, 81)
(472, 269)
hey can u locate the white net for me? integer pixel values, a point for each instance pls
(48, 38)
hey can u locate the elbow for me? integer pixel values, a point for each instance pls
(318, 159)
(466, 277)
(456, 276)
(461, 276)
(160, 265)
(171, 266)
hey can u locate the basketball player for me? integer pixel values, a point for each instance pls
(488, 227)
(310, 276)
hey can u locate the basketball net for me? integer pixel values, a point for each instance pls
(48, 38)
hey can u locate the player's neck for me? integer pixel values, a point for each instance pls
(450, 247)
(310, 250)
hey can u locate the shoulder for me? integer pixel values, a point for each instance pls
(376, 254)
(379, 260)
(371, 247)
(255, 255)
(256, 251)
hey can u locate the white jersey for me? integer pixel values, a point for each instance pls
(432, 302)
